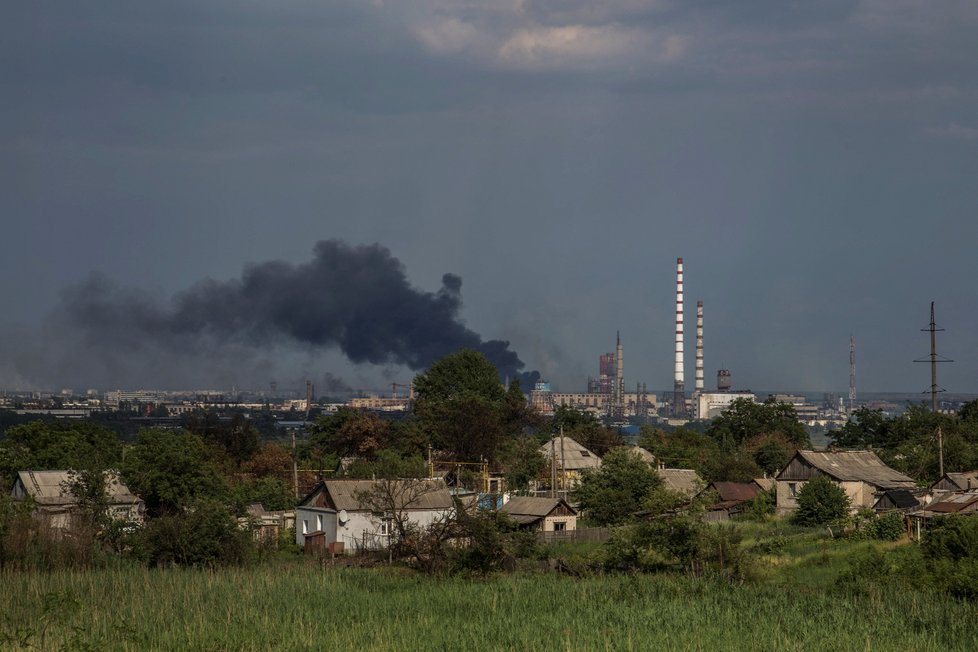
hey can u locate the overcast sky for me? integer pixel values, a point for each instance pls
(815, 163)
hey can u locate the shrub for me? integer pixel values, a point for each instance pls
(952, 537)
(820, 502)
(204, 535)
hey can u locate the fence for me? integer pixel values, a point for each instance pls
(584, 534)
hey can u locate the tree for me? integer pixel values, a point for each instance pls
(820, 502)
(237, 437)
(460, 404)
(50, 445)
(771, 451)
(744, 419)
(585, 429)
(682, 448)
(170, 469)
(613, 492)
(348, 432)
(205, 535)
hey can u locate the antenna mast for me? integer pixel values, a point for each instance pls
(934, 387)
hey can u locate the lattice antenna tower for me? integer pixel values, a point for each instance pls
(933, 358)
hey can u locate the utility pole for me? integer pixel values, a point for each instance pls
(295, 467)
(934, 387)
(852, 374)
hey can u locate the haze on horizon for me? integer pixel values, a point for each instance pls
(813, 163)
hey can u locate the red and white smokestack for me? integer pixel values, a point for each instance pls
(679, 394)
(699, 347)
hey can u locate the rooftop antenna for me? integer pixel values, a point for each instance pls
(934, 387)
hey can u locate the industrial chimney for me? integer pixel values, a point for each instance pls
(679, 389)
(699, 349)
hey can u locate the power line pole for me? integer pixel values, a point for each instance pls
(934, 387)
(852, 374)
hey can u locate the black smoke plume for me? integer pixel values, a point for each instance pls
(354, 298)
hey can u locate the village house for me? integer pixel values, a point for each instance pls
(361, 514)
(861, 474)
(568, 460)
(541, 514)
(267, 525)
(58, 508)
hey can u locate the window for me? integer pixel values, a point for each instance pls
(385, 527)
(319, 522)
(305, 526)
(585, 454)
(559, 526)
(792, 489)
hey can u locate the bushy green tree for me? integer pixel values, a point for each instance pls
(820, 502)
(682, 448)
(610, 494)
(170, 469)
(349, 432)
(461, 405)
(56, 445)
(745, 418)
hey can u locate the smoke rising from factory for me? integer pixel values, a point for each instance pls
(355, 299)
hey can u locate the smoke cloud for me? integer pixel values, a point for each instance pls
(355, 299)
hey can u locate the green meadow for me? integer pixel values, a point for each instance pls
(295, 605)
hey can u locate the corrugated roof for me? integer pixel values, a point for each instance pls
(685, 481)
(953, 503)
(641, 452)
(765, 483)
(48, 487)
(575, 456)
(536, 507)
(429, 495)
(856, 466)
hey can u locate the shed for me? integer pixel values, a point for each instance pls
(541, 514)
(899, 500)
(961, 481)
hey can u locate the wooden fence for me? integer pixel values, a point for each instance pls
(584, 534)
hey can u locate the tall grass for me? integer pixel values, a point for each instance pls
(297, 606)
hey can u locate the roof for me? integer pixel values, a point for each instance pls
(413, 494)
(964, 479)
(901, 498)
(856, 466)
(685, 481)
(527, 509)
(641, 452)
(569, 454)
(764, 483)
(954, 503)
(48, 487)
(736, 492)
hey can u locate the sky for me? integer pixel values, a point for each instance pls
(814, 164)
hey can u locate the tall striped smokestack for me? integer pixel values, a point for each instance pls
(679, 390)
(699, 348)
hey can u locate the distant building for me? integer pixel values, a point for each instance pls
(568, 460)
(710, 404)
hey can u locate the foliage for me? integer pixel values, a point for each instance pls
(348, 432)
(745, 418)
(524, 463)
(952, 538)
(610, 494)
(820, 502)
(493, 542)
(56, 445)
(761, 507)
(770, 451)
(272, 493)
(170, 469)
(269, 460)
(682, 448)
(388, 464)
(461, 405)
(867, 524)
(205, 535)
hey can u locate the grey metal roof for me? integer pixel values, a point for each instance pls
(537, 507)
(575, 456)
(685, 481)
(857, 466)
(48, 488)
(428, 495)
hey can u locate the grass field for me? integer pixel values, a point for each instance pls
(296, 606)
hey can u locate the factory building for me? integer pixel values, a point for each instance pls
(710, 404)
